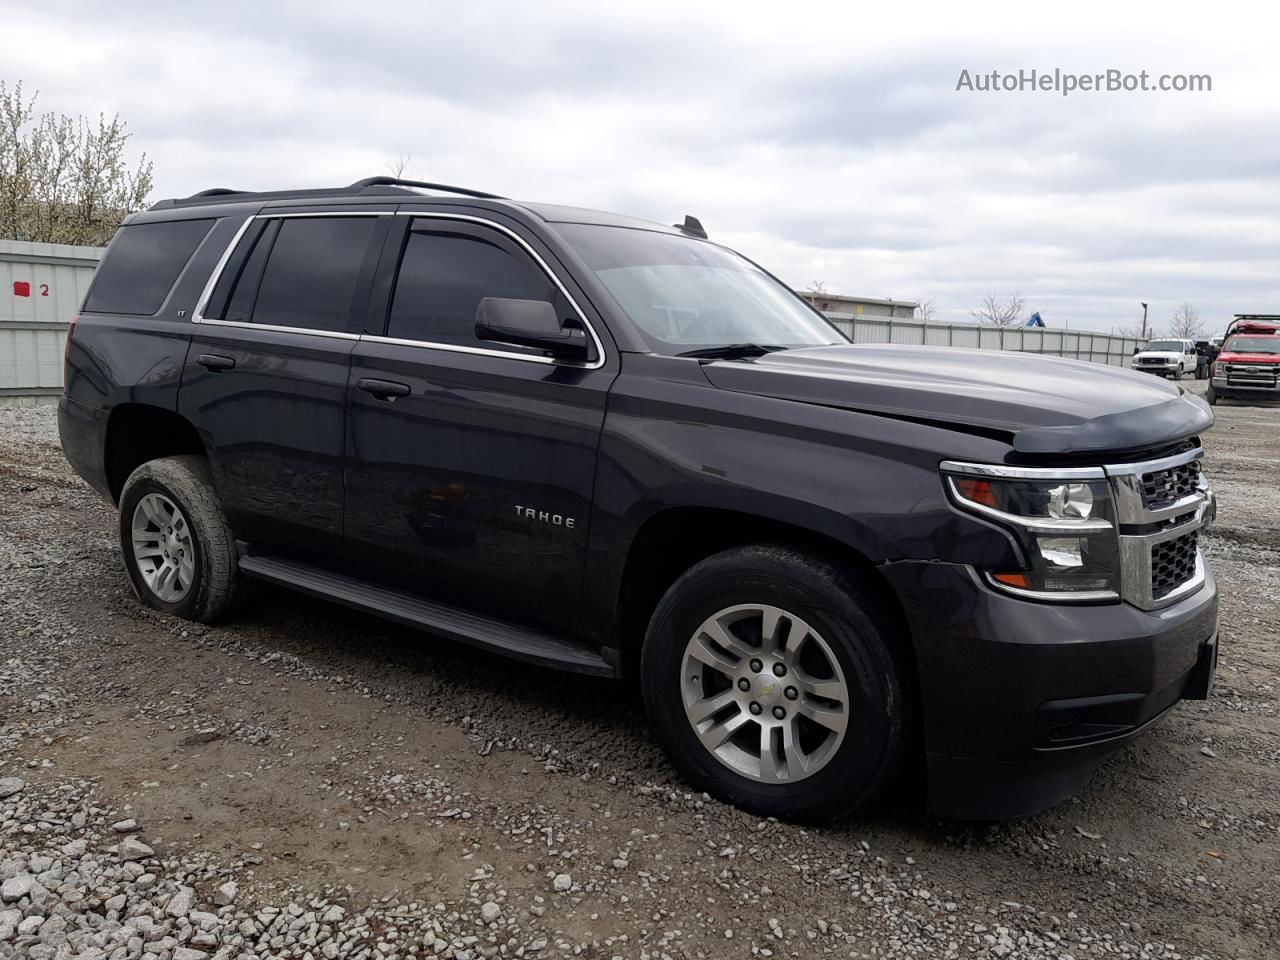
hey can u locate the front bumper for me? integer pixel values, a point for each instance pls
(1154, 367)
(1260, 388)
(1021, 700)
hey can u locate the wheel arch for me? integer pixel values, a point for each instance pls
(139, 432)
(674, 539)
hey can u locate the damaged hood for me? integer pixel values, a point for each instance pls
(1048, 405)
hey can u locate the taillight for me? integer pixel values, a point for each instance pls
(66, 356)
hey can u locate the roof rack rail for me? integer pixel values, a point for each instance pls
(214, 192)
(442, 187)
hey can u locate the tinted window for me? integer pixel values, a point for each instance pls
(235, 266)
(248, 273)
(311, 272)
(443, 276)
(142, 266)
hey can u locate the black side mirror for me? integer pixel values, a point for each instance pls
(529, 323)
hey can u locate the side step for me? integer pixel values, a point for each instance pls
(509, 639)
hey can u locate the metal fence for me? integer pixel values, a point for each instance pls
(41, 288)
(1095, 347)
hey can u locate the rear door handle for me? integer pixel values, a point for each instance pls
(383, 389)
(214, 361)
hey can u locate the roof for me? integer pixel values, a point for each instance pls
(374, 188)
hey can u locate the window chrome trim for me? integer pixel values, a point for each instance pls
(479, 351)
(274, 328)
(542, 265)
(198, 315)
(1022, 473)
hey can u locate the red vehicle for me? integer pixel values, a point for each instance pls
(1248, 365)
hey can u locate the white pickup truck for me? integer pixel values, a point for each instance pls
(1169, 358)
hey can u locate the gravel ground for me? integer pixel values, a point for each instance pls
(307, 782)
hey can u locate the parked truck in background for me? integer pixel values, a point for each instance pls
(1168, 358)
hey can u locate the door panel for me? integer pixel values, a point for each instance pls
(273, 426)
(476, 486)
(470, 464)
(266, 373)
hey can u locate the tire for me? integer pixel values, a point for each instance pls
(1177, 374)
(845, 625)
(1212, 396)
(202, 586)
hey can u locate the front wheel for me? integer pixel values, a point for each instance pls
(1212, 396)
(178, 549)
(770, 679)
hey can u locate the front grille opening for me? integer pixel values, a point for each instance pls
(1173, 563)
(1164, 487)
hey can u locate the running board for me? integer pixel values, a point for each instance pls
(487, 633)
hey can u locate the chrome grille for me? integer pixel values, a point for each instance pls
(1173, 563)
(1161, 505)
(1164, 487)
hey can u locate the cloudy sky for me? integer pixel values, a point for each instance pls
(827, 141)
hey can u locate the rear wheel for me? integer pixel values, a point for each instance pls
(770, 680)
(178, 549)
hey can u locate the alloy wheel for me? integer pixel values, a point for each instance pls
(162, 547)
(764, 693)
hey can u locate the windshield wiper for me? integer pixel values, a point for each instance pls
(732, 351)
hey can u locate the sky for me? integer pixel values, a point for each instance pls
(827, 141)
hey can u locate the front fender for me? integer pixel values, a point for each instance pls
(870, 483)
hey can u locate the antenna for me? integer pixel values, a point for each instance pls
(691, 226)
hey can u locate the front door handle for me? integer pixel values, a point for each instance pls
(214, 361)
(383, 389)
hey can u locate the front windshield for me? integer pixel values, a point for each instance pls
(685, 294)
(1252, 345)
(1177, 346)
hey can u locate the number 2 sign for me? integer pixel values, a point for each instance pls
(22, 288)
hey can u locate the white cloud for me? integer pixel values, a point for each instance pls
(826, 141)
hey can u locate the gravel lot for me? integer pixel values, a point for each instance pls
(305, 781)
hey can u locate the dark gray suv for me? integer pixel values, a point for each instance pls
(615, 447)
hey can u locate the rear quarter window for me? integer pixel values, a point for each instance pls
(142, 265)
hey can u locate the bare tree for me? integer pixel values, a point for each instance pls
(999, 311)
(1186, 324)
(64, 179)
(815, 293)
(399, 165)
(926, 310)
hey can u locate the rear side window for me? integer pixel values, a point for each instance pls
(311, 272)
(143, 265)
(444, 274)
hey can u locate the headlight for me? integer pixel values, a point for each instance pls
(1066, 527)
